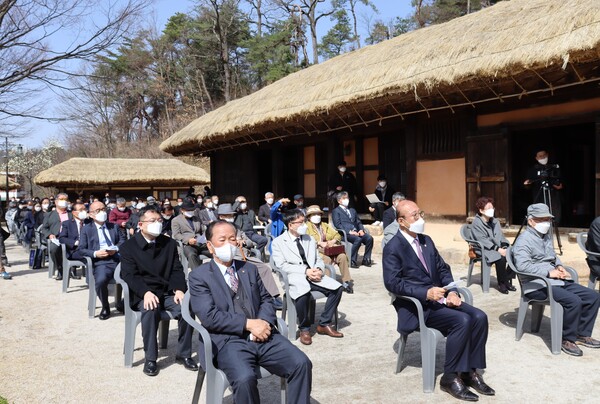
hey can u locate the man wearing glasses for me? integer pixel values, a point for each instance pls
(533, 253)
(150, 266)
(100, 240)
(295, 252)
(413, 267)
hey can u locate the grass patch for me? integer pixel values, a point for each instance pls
(3, 400)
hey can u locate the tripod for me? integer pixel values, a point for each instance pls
(547, 198)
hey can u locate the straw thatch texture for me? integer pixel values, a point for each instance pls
(113, 172)
(11, 184)
(505, 40)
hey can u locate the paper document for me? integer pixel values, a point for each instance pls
(112, 247)
(201, 239)
(373, 198)
(451, 285)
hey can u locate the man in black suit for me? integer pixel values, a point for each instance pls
(100, 240)
(346, 219)
(71, 230)
(389, 215)
(342, 180)
(51, 229)
(413, 267)
(264, 211)
(232, 303)
(150, 266)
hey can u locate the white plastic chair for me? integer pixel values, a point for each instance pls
(67, 265)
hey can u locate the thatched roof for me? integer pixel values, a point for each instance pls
(11, 184)
(512, 41)
(122, 172)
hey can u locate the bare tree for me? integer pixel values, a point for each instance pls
(33, 56)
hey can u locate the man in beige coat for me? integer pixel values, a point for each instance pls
(295, 252)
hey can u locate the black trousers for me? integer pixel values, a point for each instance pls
(466, 329)
(356, 241)
(303, 303)
(580, 308)
(193, 252)
(239, 357)
(503, 274)
(151, 321)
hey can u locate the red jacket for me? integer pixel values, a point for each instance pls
(117, 217)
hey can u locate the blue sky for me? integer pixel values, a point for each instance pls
(161, 11)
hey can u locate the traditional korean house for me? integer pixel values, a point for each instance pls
(448, 113)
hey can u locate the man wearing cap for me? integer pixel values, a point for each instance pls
(295, 252)
(342, 180)
(299, 203)
(345, 218)
(245, 219)
(187, 228)
(327, 236)
(227, 213)
(533, 253)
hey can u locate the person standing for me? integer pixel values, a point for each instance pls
(342, 180)
(544, 176)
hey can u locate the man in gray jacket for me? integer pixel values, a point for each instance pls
(533, 253)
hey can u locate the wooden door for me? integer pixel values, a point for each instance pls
(487, 172)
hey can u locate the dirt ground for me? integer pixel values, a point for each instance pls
(51, 352)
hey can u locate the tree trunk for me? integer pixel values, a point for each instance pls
(353, 11)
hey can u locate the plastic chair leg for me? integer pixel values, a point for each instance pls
(216, 389)
(401, 348)
(521, 319)
(66, 277)
(129, 344)
(485, 276)
(471, 265)
(292, 321)
(428, 346)
(556, 325)
(537, 312)
(282, 388)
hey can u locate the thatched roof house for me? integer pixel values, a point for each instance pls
(81, 174)
(448, 113)
(486, 56)
(11, 184)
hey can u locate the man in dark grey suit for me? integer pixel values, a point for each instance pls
(187, 228)
(230, 300)
(346, 219)
(51, 229)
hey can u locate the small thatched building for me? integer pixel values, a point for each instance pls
(126, 177)
(448, 113)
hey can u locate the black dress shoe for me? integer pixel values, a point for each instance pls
(511, 287)
(348, 288)
(353, 264)
(457, 389)
(58, 277)
(104, 314)
(150, 368)
(73, 275)
(120, 306)
(187, 363)
(367, 263)
(502, 288)
(475, 380)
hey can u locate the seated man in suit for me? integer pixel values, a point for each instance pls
(295, 252)
(151, 268)
(209, 213)
(384, 193)
(389, 215)
(100, 240)
(187, 228)
(264, 211)
(70, 232)
(232, 303)
(533, 253)
(245, 219)
(346, 219)
(412, 266)
(51, 229)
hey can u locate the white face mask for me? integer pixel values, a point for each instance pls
(229, 219)
(225, 253)
(342, 169)
(270, 201)
(215, 202)
(166, 217)
(154, 228)
(140, 205)
(301, 230)
(122, 209)
(101, 217)
(489, 212)
(82, 215)
(179, 203)
(209, 205)
(344, 202)
(199, 200)
(62, 204)
(543, 227)
(299, 204)
(38, 208)
(543, 161)
(188, 214)
(45, 206)
(316, 219)
(382, 184)
(418, 226)
(243, 206)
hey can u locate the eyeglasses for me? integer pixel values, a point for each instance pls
(416, 215)
(151, 221)
(297, 222)
(98, 211)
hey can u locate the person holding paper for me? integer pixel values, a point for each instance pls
(187, 228)
(412, 266)
(384, 193)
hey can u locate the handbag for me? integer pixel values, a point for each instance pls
(472, 253)
(334, 250)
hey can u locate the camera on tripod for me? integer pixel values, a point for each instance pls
(548, 173)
